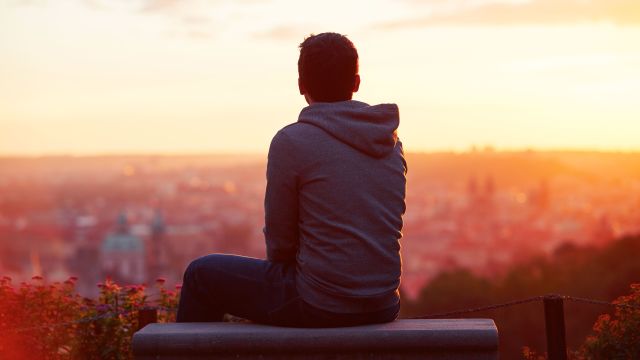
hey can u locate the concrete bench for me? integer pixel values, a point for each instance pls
(402, 339)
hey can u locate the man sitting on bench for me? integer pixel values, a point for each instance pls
(334, 203)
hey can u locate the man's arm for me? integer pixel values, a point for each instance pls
(281, 201)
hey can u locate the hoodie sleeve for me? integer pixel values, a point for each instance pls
(281, 201)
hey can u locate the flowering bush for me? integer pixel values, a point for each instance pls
(617, 336)
(168, 302)
(51, 321)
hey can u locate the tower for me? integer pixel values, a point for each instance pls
(157, 255)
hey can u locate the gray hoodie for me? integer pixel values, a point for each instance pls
(334, 204)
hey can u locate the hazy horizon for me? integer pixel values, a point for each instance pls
(469, 150)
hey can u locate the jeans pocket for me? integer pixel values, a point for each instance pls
(287, 314)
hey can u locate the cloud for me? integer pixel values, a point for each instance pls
(621, 12)
(200, 35)
(284, 33)
(26, 2)
(152, 6)
(196, 19)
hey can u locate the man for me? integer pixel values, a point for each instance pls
(333, 212)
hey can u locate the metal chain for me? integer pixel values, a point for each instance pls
(524, 301)
(428, 316)
(599, 302)
(482, 308)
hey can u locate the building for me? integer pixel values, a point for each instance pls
(122, 255)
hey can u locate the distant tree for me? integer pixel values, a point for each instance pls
(589, 272)
(450, 291)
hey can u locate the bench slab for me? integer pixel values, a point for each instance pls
(401, 339)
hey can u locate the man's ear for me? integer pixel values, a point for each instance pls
(301, 87)
(356, 83)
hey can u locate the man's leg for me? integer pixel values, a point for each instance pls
(315, 317)
(242, 286)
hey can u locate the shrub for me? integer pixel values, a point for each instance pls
(617, 336)
(51, 321)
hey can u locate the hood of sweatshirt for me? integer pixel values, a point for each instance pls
(368, 128)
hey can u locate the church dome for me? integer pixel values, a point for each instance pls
(122, 239)
(121, 242)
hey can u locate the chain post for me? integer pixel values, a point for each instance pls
(147, 316)
(554, 324)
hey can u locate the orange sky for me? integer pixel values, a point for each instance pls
(98, 76)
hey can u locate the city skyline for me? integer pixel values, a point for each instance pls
(58, 216)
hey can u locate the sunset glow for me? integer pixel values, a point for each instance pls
(139, 136)
(96, 77)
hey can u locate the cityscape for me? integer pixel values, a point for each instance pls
(138, 218)
(134, 138)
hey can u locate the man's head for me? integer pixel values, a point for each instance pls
(328, 68)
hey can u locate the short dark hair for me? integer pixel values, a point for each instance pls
(327, 67)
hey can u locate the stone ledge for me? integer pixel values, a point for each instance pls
(401, 339)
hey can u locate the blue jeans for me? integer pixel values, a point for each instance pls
(258, 290)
